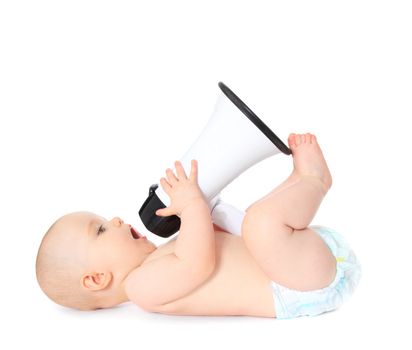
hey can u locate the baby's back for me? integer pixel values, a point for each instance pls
(238, 286)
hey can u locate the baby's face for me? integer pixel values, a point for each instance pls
(109, 245)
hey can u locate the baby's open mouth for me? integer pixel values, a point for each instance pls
(134, 233)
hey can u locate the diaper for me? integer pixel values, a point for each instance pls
(291, 303)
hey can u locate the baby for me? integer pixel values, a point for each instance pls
(278, 266)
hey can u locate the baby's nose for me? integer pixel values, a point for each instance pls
(117, 221)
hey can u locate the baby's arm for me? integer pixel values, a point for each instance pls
(173, 276)
(195, 243)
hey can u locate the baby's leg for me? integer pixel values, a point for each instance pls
(275, 227)
(230, 218)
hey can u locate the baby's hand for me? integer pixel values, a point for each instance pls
(181, 190)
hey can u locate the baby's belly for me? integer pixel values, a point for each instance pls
(238, 286)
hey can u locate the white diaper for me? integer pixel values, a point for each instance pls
(291, 303)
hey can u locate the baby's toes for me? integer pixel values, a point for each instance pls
(299, 139)
(291, 140)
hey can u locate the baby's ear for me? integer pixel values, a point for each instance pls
(96, 280)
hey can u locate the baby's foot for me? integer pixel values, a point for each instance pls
(308, 158)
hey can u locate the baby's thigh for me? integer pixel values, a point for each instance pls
(301, 260)
(309, 263)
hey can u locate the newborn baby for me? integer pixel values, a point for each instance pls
(278, 266)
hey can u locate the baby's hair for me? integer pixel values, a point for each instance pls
(59, 274)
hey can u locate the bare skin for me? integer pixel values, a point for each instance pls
(275, 229)
(276, 245)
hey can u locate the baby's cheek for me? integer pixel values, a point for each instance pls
(131, 249)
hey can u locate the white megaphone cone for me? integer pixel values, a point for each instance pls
(233, 140)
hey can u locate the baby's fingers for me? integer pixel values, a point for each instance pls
(193, 172)
(165, 185)
(180, 170)
(171, 177)
(163, 212)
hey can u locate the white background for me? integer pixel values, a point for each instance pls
(97, 98)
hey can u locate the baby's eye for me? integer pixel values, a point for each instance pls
(101, 230)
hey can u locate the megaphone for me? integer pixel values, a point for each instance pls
(233, 140)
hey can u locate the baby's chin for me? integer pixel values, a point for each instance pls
(152, 245)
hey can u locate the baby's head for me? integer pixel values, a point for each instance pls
(84, 259)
